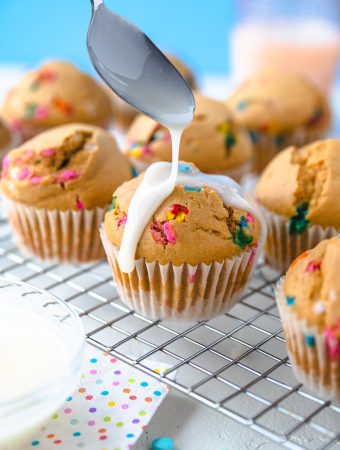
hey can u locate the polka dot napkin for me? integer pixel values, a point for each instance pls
(108, 411)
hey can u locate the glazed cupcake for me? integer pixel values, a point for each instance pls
(56, 188)
(56, 93)
(213, 142)
(124, 113)
(309, 304)
(195, 254)
(279, 110)
(297, 194)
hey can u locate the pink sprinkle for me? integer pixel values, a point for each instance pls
(193, 277)
(5, 162)
(79, 204)
(122, 221)
(15, 125)
(68, 175)
(333, 341)
(169, 232)
(35, 180)
(23, 174)
(41, 112)
(27, 154)
(313, 266)
(48, 152)
(250, 218)
(147, 151)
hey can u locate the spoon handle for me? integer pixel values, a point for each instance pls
(96, 3)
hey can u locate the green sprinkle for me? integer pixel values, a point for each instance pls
(30, 110)
(229, 141)
(113, 203)
(298, 223)
(242, 239)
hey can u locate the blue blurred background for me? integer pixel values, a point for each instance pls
(197, 30)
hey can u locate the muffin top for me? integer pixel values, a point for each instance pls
(213, 142)
(312, 288)
(5, 135)
(273, 102)
(192, 225)
(74, 166)
(303, 184)
(55, 94)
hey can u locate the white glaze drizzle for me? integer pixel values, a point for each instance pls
(158, 183)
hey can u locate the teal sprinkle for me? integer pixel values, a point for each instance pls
(310, 341)
(113, 203)
(229, 141)
(184, 168)
(290, 300)
(280, 140)
(242, 105)
(163, 443)
(134, 172)
(253, 136)
(192, 188)
(35, 443)
(298, 223)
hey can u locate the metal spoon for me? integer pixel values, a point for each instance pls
(136, 69)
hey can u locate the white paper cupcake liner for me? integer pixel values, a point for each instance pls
(266, 145)
(311, 364)
(181, 293)
(61, 236)
(282, 248)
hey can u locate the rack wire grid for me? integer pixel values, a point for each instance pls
(236, 363)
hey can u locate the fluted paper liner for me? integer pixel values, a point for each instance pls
(281, 248)
(312, 366)
(181, 293)
(61, 236)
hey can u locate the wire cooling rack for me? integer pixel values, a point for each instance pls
(236, 363)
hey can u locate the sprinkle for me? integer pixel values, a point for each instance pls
(316, 118)
(310, 340)
(35, 180)
(67, 175)
(134, 172)
(313, 266)
(193, 277)
(30, 110)
(63, 106)
(298, 223)
(79, 204)
(122, 221)
(296, 260)
(184, 168)
(177, 212)
(253, 136)
(24, 173)
(163, 443)
(41, 112)
(230, 141)
(223, 127)
(5, 162)
(48, 152)
(241, 237)
(192, 188)
(290, 300)
(250, 218)
(319, 307)
(242, 105)
(169, 233)
(113, 203)
(332, 339)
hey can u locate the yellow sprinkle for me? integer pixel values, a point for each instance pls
(180, 217)
(223, 127)
(111, 403)
(169, 215)
(157, 370)
(136, 152)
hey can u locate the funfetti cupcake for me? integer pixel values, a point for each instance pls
(56, 93)
(124, 113)
(213, 142)
(298, 194)
(279, 109)
(309, 304)
(56, 188)
(197, 252)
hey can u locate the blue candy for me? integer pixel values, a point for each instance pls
(163, 443)
(192, 188)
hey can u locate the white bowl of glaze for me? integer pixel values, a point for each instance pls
(41, 355)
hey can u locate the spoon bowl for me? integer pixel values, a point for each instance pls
(130, 63)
